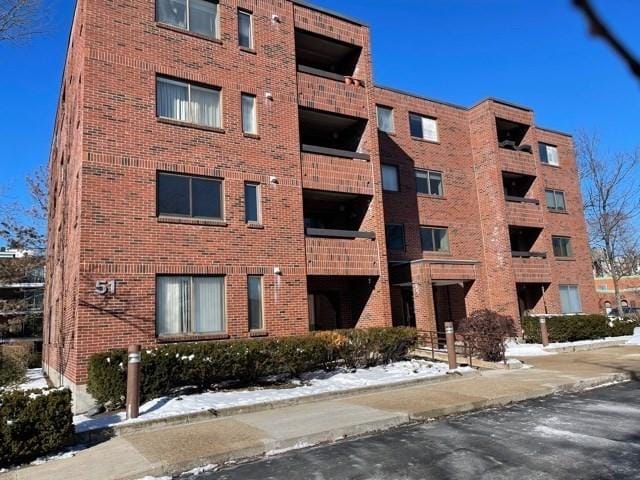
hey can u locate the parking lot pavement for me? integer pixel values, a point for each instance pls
(591, 435)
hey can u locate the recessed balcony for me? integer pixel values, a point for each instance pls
(331, 134)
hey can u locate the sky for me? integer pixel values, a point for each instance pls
(536, 53)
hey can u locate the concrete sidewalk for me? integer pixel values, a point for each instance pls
(179, 448)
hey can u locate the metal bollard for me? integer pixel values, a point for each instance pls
(133, 382)
(451, 345)
(544, 333)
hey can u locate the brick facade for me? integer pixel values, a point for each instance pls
(109, 145)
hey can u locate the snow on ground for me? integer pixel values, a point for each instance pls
(635, 338)
(67, 453)
(515, 349)
(312, 384)
(35, 379)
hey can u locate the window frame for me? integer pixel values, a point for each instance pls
(258, 191)
(262, 317)
(397, 170)
(567, 246)
(546, 155)
(429, 172)
(404, 238)
(187, 27)
(555, 193)
(191, 306)
(242, 11)
(392, 115)
(244, 95)
(220, 181)
(433, 239)
(576, 289)
(218, 122)
(421, 117)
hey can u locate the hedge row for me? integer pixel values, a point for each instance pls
(243, 362)
(571, 328)
(33, 423)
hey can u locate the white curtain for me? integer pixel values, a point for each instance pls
(385, 120)
(173, 12)
(205, 106)
(552, 155)
(173, 100)
(429, 129)
(570, 299)
(203, 17)
(172, 310)
(208, 299)
(435, 183)
(249, 114)
(390, 178)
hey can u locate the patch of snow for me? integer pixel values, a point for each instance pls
(155, 478)
(314, 383)
(34, 380)
(68, 453)
(280, 451)
(198, 470)
(635, 338)
(588, 342)
(515, 350)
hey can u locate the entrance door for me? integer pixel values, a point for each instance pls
(408, 310)
(323, 311)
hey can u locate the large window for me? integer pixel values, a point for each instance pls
(254, 291)
(570, 299)
(390, 178)
(385, 119)
(245, 29)
(434, 239)
(189, 305)
(198, 16)
(252, 202)
(549, 154)
(188, 103)
(395, 237)
(429, 182)
(561, 246)
(187, 196)
(249, 121)
(555, 200)
(423, 127)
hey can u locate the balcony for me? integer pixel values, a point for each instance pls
(324, 56)
(330, 93)
(523, 211)
(531, 267)
(516, 155)
(332, 134)
(342, 256)
(337, 174)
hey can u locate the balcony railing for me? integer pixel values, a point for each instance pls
(330, 233)
(519, 254)
(511, 198)
(334, 152)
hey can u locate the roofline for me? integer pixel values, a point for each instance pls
(503, 102)
(333, 13)
(558, 132)
(420, 97)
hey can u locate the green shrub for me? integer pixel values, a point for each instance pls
(13, 366)
(618, 328)
(571, 328)
(243, 362)
(33, 423)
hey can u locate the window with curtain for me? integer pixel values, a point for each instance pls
(245, 29)
(423, 127)
(561, 246)
(555, 200)
(548, 154)
(434, 239)
(249, 122)
(570, 299)
(254, 290)
(390, 178)
(188, 103)
(189, 196)
(429, 182)
(189, 305)
(252, 202)
(385, 119)
(395, 237)
(198, 16)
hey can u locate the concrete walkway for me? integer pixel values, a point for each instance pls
(176, 449)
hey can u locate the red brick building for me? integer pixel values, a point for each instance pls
(629, 292)
(217, 172)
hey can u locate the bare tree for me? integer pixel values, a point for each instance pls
(611, 201)
(21, 19)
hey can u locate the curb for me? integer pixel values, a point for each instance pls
(587, 347)
(102, 434)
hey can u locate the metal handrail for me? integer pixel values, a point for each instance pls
(466, 344)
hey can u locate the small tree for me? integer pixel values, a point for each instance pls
(611, 201)
(21, 19)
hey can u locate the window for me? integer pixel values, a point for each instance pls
(429, 182)
(555, 200)
(561, 246)
(252, 202)
(395, 237)
(385, 119)
(570, 299)
(390, 180)
(245, 29)
(254, 293)
(423, 127)
(186, 196)
(189, 103)
(189, 305)
(549, 154)
(198, 16)
(249, 123)
(434, 239)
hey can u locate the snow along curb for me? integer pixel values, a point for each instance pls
(586, 346)
(101, 434)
